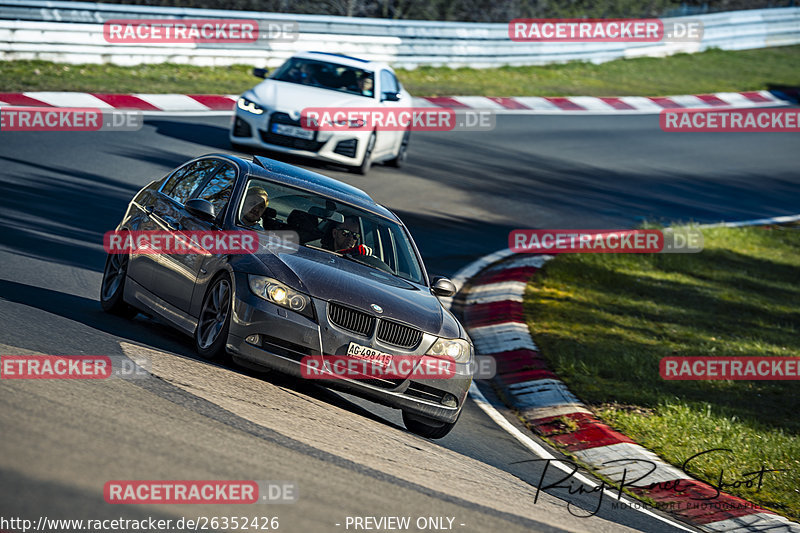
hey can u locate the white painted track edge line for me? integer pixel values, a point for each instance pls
(195, 113)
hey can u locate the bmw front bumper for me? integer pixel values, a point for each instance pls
(342, 147)
(285, 337)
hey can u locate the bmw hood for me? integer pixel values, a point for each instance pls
(292, 98)
(333, 278)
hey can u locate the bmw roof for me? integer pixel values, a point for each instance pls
(317, 183)
(341, 59)
(341, 55)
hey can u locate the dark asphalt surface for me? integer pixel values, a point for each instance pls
(460, 194)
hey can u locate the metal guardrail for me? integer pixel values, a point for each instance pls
(72, 32)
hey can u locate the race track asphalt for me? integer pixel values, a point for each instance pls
(460, 195)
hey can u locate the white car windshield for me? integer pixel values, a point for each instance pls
(331, 226)
(327, 75)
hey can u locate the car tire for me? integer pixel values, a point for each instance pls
(366, 162)
(427, 427)
(402, 155)
(214, 322)
(115, 273)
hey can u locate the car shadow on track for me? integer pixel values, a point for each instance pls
(153, 334)
(54, 214)
(217, 137)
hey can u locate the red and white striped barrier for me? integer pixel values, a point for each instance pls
(492, 311)
(602, 105)
(507, 105)
(139, 102)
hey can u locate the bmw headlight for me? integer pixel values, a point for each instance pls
(457, 349)
(355, 123)
(248, 105)
(278, 293)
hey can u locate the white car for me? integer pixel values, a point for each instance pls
(268, 116)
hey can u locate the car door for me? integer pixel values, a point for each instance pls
(140, 265)
(174, 275)
(387, 142)
(217, 190)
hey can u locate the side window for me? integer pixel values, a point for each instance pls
(387, 254)
(218, 190)
(181, 186)
(388, 82)
(370, 236)
(407, 266)
(178, 174)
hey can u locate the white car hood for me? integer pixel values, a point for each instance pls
(292, 98)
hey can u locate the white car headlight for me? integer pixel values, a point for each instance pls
(276, 292)
(248, 105)
(457, 349)
(344, 123)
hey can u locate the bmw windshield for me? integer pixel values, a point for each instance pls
(326, 75)
(324, 224)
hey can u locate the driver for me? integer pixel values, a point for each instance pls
(346, 236)
(365, 84)
(294, 74)
(255, 203)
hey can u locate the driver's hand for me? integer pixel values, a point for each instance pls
(361, 249)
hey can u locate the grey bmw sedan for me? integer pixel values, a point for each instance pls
(343, 279)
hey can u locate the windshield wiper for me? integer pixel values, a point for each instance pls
(320, 249)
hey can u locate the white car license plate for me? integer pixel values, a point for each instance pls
(292, 131)
(369, 354)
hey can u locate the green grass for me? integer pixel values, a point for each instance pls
(17, 76)
(711, 71)
(604, 322)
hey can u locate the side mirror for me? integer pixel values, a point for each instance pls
(390, 97)
(202, 209)
(442, 286)
(260, 72)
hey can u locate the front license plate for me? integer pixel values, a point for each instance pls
(292, 131)
(369, 354)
